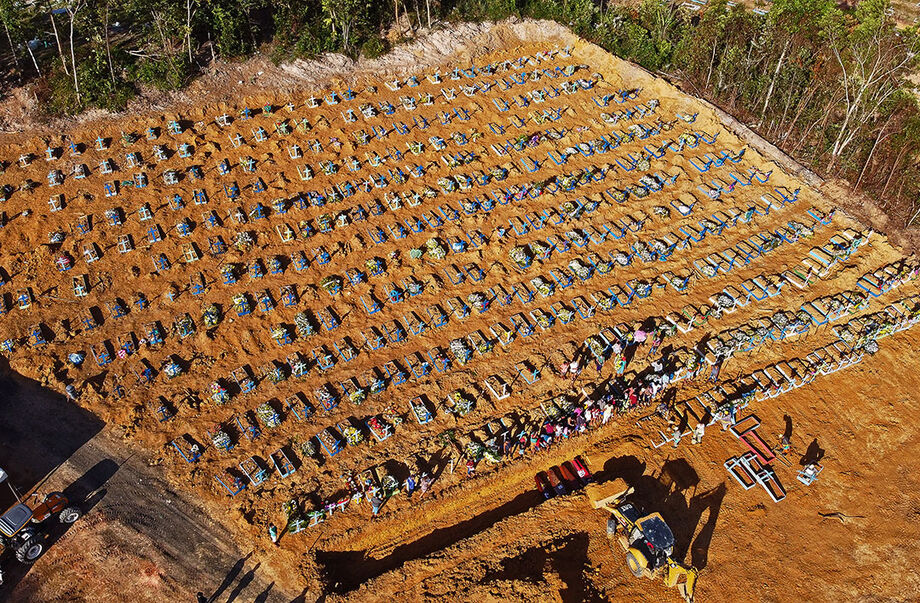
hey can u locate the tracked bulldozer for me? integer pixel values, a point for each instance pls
(647, 539)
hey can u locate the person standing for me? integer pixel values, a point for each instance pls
(607, 412)
(424, 485)
(273, 533)
(376, 503)
(698, 432)
(716, 368)
(675, 433)
(410, 485)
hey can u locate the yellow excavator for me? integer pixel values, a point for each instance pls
(647, 539)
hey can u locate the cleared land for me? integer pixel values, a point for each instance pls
(620, 225)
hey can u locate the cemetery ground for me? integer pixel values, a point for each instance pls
(295, 299)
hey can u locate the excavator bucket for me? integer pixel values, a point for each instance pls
(608, 494)
(684, 578)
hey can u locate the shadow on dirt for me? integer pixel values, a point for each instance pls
(347, 570)
(673, 493)
(567, 556)
(41, 429)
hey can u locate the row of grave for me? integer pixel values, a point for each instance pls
(155, 334)
(754, 468)
(243, 304)
(721, 404)
(498, 386)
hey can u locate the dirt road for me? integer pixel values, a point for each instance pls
(139, 538)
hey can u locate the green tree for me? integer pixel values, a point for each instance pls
(344, 16)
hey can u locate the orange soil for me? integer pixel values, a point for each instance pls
(488, 537)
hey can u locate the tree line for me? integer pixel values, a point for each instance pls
(831, 86)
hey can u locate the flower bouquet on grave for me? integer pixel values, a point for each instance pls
(220, 439)
(468, 206)
(725, 301)
(621, 258)
(499, 173)
(211, 316)
(844, 333)
(388, 483)
(435, 249)
(661, 211)
(780, 320)
(279, 334)
(539, 248)
(241, 304)
(324, 221)
(576, 237)
(544, 287)
(447, 184)
(377, 386)
(474, 450)
(299, 368)
(414, 287)
(594, 344)
(184, 326)
(304, 326)
(484, 346)
(379, 428)
(479, 301)
(357, 396)
(565, 315)
(520, 256)
(308, 448)
(619, 196)
(543, 319)
(639, 192)
(743, 335)
(219, 393)
(650, 182)
(658, 247)
(606, 302)
(391, 417)
(352, 435)
(306, 229)
(461, 404)
(172, 369)
(771, 241)
(276, 374)
(331, 284)
(564, 404)
(460, 350)
(581, 271)
(267, 415)
(642, 250)
(243, 241)
(708, 270)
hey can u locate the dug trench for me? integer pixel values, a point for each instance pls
(345, 571)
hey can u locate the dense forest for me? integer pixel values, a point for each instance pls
(830, 86)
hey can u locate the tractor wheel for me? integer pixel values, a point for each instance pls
(634, 565)
(30, 550)
(70, 515)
